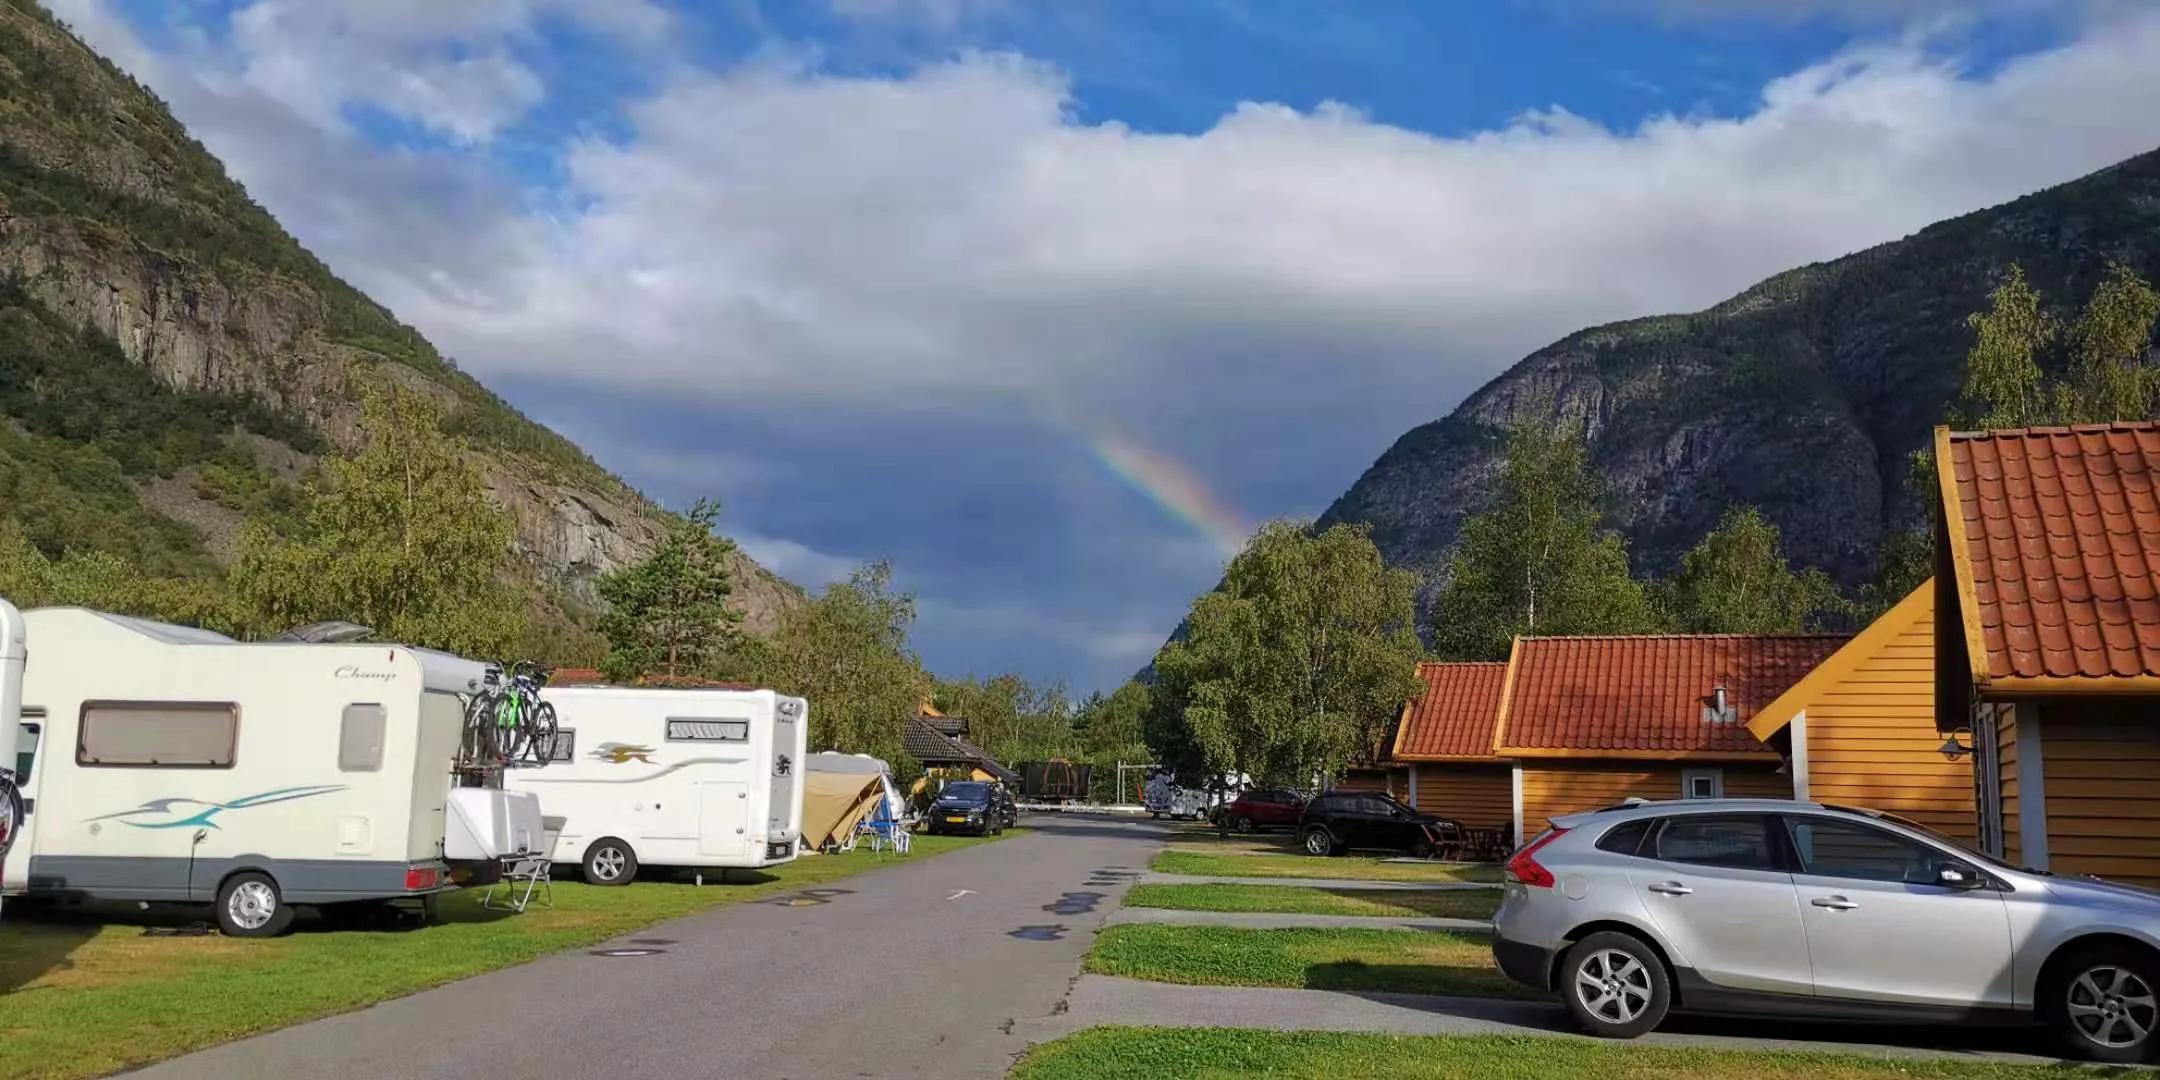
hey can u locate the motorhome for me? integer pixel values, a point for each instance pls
(658, 776)
(167, 763)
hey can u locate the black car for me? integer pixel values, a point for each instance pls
(1337, 821)
(968, 806)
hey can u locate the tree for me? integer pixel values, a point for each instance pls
(1109, 728)
(399, 536)
(2109, 378)
(1737, 581)
(108, 582)
(1009, 718)
(1296, 665)
(2004, 386)
(1540, 561)
(668, 614)
(846, 651)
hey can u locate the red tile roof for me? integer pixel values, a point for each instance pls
(2055, 538)
(1454, 718)
(1647, 695)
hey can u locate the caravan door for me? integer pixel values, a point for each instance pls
(723, 815)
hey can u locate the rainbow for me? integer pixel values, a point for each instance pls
(1174, 487)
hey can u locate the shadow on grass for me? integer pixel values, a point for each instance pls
(1468, 979)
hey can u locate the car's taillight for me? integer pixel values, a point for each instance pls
(420, 878)
(1524, 868)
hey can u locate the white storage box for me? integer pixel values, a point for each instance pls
(489, 823)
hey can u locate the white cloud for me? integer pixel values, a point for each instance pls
(805, 566)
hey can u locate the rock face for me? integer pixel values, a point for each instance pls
(1803, 396)
(113, 219)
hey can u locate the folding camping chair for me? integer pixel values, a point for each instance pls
(533, 871)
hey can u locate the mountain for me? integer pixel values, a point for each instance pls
(169, 355)
(1803, 396)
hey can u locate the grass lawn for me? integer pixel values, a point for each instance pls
(1112, 1053)
(84, 992)
(1177, 860)
(1303, 900)
(1418, 962)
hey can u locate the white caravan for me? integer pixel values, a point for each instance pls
(168, 763)
(671, 777)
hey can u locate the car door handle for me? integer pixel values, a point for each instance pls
(1670, 888)
(1834, 903)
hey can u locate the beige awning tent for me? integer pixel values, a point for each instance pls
(835, 802)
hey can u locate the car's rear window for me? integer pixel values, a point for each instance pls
(1626, 838)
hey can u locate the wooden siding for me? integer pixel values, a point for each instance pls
(1553, 788)
(1478, 796)
(2007, 775)
(1872, 740)
(2103, 791)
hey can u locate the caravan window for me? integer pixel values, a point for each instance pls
(360, 738)
(170, 734)
(565, 747)
(699, 729)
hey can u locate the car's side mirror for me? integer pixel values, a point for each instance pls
(1957, 875)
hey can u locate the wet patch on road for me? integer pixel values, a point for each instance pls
(1038, 933)
(806, 898)
(1074, 903)
(626, 952)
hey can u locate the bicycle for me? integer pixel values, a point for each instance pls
(506, 722)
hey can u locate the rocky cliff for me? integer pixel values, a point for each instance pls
(1803, 396)
(114, 222)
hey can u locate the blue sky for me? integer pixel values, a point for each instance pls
(887, 276)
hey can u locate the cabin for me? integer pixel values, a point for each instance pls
(1591, 721)
(2048, 645)
(926, 741)
(1444, 743)
(1860, 730)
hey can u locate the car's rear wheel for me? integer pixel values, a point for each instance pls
(1421, 848)
(1318, 841)
(1239, 823)
(1615, 986)
(2104, 1004)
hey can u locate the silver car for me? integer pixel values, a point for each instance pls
(1802, 910)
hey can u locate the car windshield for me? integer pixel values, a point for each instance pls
(967, 793)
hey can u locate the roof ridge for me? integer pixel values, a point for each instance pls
(2054, 429)
(1686, 637)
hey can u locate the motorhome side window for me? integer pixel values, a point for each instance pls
(158, 734)
(360, 738)
(565, 747)
(699, 729)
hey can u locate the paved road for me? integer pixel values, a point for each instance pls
(1339, 884)
(1100, 999)
(896, 977)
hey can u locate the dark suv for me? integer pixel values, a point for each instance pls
(1338, 821)
(1263, 808)
(969, 806)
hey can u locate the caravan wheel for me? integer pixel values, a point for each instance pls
(249, 905)
(610, 862)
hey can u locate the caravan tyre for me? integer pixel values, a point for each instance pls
(250, 905)
(610, 862)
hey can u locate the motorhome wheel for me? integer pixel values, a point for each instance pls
(610, 862)
(249, 905)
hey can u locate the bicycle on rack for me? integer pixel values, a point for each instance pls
(506, 723)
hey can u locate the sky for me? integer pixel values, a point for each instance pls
(1051, 303)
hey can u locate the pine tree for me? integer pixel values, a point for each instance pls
(668, 614)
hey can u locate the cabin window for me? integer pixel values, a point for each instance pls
(1702, 784)
(565, 747)
(700, 729)
(360, 738)
(158, 734)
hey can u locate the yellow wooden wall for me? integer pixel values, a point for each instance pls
(1555, 787)
(1872, 741)
(1480, 796)
(2103, 791)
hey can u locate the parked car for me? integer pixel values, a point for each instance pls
(965, 806)
(1806, 910)
(1263, 808)
(1338, 821)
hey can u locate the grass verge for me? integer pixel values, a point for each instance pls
(1178, 861)
(1303, 900)
(1418, 962)
(84, 997)
(1112, 1053)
